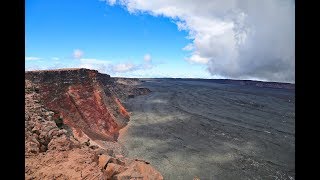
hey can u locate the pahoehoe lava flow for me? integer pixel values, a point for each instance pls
(213, 130)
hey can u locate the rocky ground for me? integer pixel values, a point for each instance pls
(127, 88)
(80, 124)
(52, 151)
(195, 128)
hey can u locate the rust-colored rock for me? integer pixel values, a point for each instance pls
(82, 99)
(65, 112)
(63, 143)
(103, 161)
(76, 164)
(113, 169)
(139, 170)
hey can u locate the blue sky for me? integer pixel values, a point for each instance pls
(55, 29)
(237, 39)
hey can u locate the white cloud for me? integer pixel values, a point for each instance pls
(110, 2)
(32, 67)
(198, 59)
(147, 58)
(124, 67)
(239, 38)
(55, 58)
(102, 66)
(32, 58)
(188, 47)
(94, 61)
(105, 66)
(77, 54)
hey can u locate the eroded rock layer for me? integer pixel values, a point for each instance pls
(62, 107)
(82, 100)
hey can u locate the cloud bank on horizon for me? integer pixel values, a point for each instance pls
(235, 39)
(102, 65)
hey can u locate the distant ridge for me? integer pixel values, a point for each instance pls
(264, 84)
(62, 69)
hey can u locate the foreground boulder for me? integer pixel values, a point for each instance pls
(139, 170)
(132, 169)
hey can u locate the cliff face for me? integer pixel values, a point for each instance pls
(126, 88)
(82, 99)
(52, 151)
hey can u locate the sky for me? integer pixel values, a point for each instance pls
(236, 39)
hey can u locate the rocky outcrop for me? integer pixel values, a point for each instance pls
(139, 170)
(40, 127)
(127, 88)
(61, 107)
(127, 169)
(82, 100)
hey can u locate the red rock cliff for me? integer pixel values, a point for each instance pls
(82, 99)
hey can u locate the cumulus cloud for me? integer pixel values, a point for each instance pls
(77, 54)
(196, 58)
(102, 66)
(124, 67)
(147, 58)
(32, 58)
(94, 61)
(55, 58)
(108, 67)
(233, 38)
(188, 47)
(110, 2)
(131, 67)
